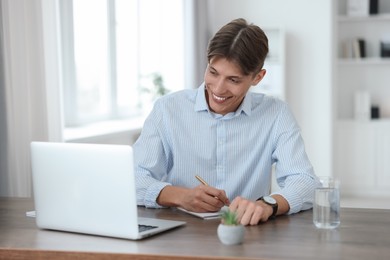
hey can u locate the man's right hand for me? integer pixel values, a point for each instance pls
(202, 198)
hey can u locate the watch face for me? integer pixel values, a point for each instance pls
(269, 200)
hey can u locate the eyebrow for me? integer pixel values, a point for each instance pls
(231, 77)
(235, 77)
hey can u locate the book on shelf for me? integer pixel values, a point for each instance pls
(354, 48)
(385, 49)
(362, 105)
(360, 48)
(362, 7)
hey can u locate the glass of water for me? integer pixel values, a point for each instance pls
(326, 207)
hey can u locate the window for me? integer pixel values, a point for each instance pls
(111, 49)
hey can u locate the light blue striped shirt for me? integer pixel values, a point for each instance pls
(182, 138)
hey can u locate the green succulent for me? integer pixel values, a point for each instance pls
(229, 218)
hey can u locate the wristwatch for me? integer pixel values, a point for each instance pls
(272, 202)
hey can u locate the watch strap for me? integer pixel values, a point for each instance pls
(274, 206)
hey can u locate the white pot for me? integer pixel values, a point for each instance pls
(231, 235)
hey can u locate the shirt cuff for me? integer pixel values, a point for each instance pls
(152, 193)
(293, 199)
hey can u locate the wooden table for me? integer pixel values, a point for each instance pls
(363, 234)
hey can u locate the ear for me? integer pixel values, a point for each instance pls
(258, 77)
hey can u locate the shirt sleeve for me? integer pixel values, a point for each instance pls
(151, 161)
(294, 172)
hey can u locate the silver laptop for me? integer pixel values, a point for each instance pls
(89, 188)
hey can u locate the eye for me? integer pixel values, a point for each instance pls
(213, 72)
(234, 80)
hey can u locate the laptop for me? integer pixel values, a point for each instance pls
(89, 188)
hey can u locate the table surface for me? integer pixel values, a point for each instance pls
(363, 234)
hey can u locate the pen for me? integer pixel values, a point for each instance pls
(201, 180)
(205, 183)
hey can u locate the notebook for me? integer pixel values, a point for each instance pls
(206, 215)
(89, 188)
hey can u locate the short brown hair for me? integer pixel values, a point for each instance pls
(240, 42)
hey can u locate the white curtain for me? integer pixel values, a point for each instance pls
(197, 37)
(3, 126)
(29, 89)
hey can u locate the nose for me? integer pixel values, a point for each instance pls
(219, 86)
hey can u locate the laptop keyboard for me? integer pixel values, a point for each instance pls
(142, 228)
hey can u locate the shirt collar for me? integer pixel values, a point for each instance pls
(201, 103)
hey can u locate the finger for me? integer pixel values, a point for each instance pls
(201, 206)
(210, 208)
(223, 197)
(214, 192)
(213, 201)
(239, 206)
(220, 195)
(234, 205)
(207, 201)
(247, 214)
(257, 216)
(208, 204)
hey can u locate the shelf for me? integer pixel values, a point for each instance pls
(364, 61)
(371, 18)
(381, 121)
(361, 147)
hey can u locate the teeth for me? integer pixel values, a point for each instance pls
(219, 98)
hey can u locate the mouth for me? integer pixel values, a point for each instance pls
(218, 98)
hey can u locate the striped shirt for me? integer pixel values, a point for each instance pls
(182, 138)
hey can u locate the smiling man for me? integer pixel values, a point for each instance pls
(229, 136)
(226, 86)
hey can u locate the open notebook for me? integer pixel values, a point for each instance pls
(206, 215)
(89, 188)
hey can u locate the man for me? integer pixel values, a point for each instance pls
(228, 136)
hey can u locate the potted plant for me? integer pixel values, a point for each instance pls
(230, 231)
(152, 87)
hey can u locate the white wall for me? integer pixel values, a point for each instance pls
(308, 27)
(30, 111)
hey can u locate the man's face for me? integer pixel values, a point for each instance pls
(226, 86)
